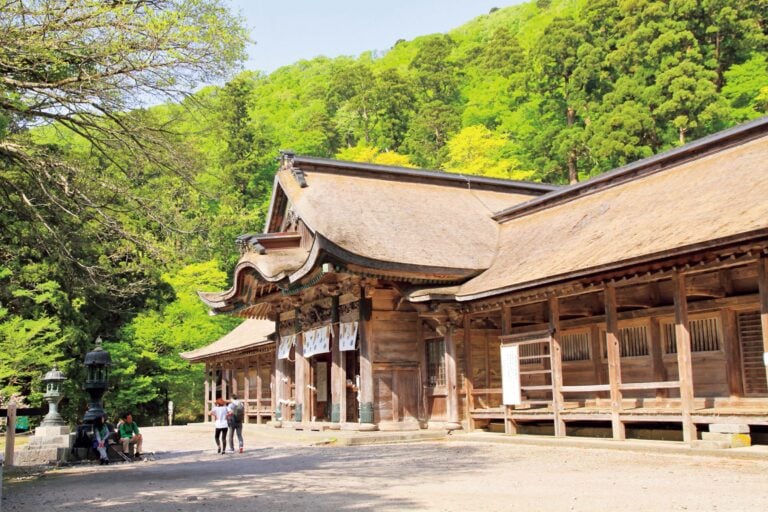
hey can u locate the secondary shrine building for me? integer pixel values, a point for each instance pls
(404, 299)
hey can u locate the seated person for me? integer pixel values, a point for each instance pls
(129, 433)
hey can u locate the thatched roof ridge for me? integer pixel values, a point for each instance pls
(717, 198)
(408, 174)
(248, 335)
(441, 226)
(657, 163)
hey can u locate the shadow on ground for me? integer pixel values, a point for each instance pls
(317, 478)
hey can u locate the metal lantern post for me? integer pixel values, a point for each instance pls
(97, 364)
(53, 395)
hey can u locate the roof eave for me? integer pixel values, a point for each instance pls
(753, 236)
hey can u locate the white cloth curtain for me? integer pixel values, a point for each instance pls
(317, 341)
(347, 336)
(284, 349)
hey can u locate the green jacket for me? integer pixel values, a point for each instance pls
(128, 430)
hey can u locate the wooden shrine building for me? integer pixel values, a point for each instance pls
(241, 363)
(415, 299)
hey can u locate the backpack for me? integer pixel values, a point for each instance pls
(238, 413)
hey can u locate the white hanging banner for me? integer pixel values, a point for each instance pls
(347, 336)
(317, 341)
(284, 349)
(510, 375)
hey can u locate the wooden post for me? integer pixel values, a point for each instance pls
(657, 359)
(301, 379)
(366, 364)
(468, 386)
(557, 366)
(762, 284)
(236, 365)
(732, 353)
(338, 381)
(452, 400)
(207, 388)
(278, 389)
(597, 358)
(614, 361)
(247, 389)
(10, 434)
(224, 383)
(684, 364)
(422, 348)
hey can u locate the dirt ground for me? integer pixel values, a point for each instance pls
(301, 471)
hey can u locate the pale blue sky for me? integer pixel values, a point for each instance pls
(289, 30)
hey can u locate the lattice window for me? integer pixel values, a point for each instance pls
(633, 341)
(532, 354)
(751, 340)
(575, 346)
(706, 335)
(435, 362)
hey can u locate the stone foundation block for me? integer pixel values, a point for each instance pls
(729, 428)
(733, 440)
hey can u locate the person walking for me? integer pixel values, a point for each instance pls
(220, 414)
(236, 416)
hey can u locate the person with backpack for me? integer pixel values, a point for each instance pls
(235, 417)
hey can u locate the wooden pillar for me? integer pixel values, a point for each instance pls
(207, 395)
(732, 352)
(684, 364)
(236, 365)
(10, 434)
(762, 283)
(468, 386)
(247, 388)
(596, 350)
(224, 378)
(422, 348)
(366, 364)
(658, 369)
(614, 361)
(301, 376)
(452, 399)
(278, 390)
(557, 366)
(338, 381)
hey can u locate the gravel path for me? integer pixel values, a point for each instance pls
(291, 472)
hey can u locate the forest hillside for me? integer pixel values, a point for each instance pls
(555, 91)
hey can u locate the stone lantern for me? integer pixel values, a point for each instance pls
(97, 364)
(53, 395)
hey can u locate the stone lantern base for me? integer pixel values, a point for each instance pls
(49, 445)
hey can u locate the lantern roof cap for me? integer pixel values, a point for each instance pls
(54, 375)
(98, 356)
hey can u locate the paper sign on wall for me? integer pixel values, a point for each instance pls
(510, 375)
(317, 341)
(347, 336)
(286, 342)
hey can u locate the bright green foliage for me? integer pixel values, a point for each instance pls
(477, 150)
(372, 155)
(148, 371)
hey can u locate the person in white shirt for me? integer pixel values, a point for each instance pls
(220, 413)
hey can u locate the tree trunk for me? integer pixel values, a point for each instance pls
(573, 176)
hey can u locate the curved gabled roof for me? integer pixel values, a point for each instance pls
(249, 334)
(403, 216)
(712, 198)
